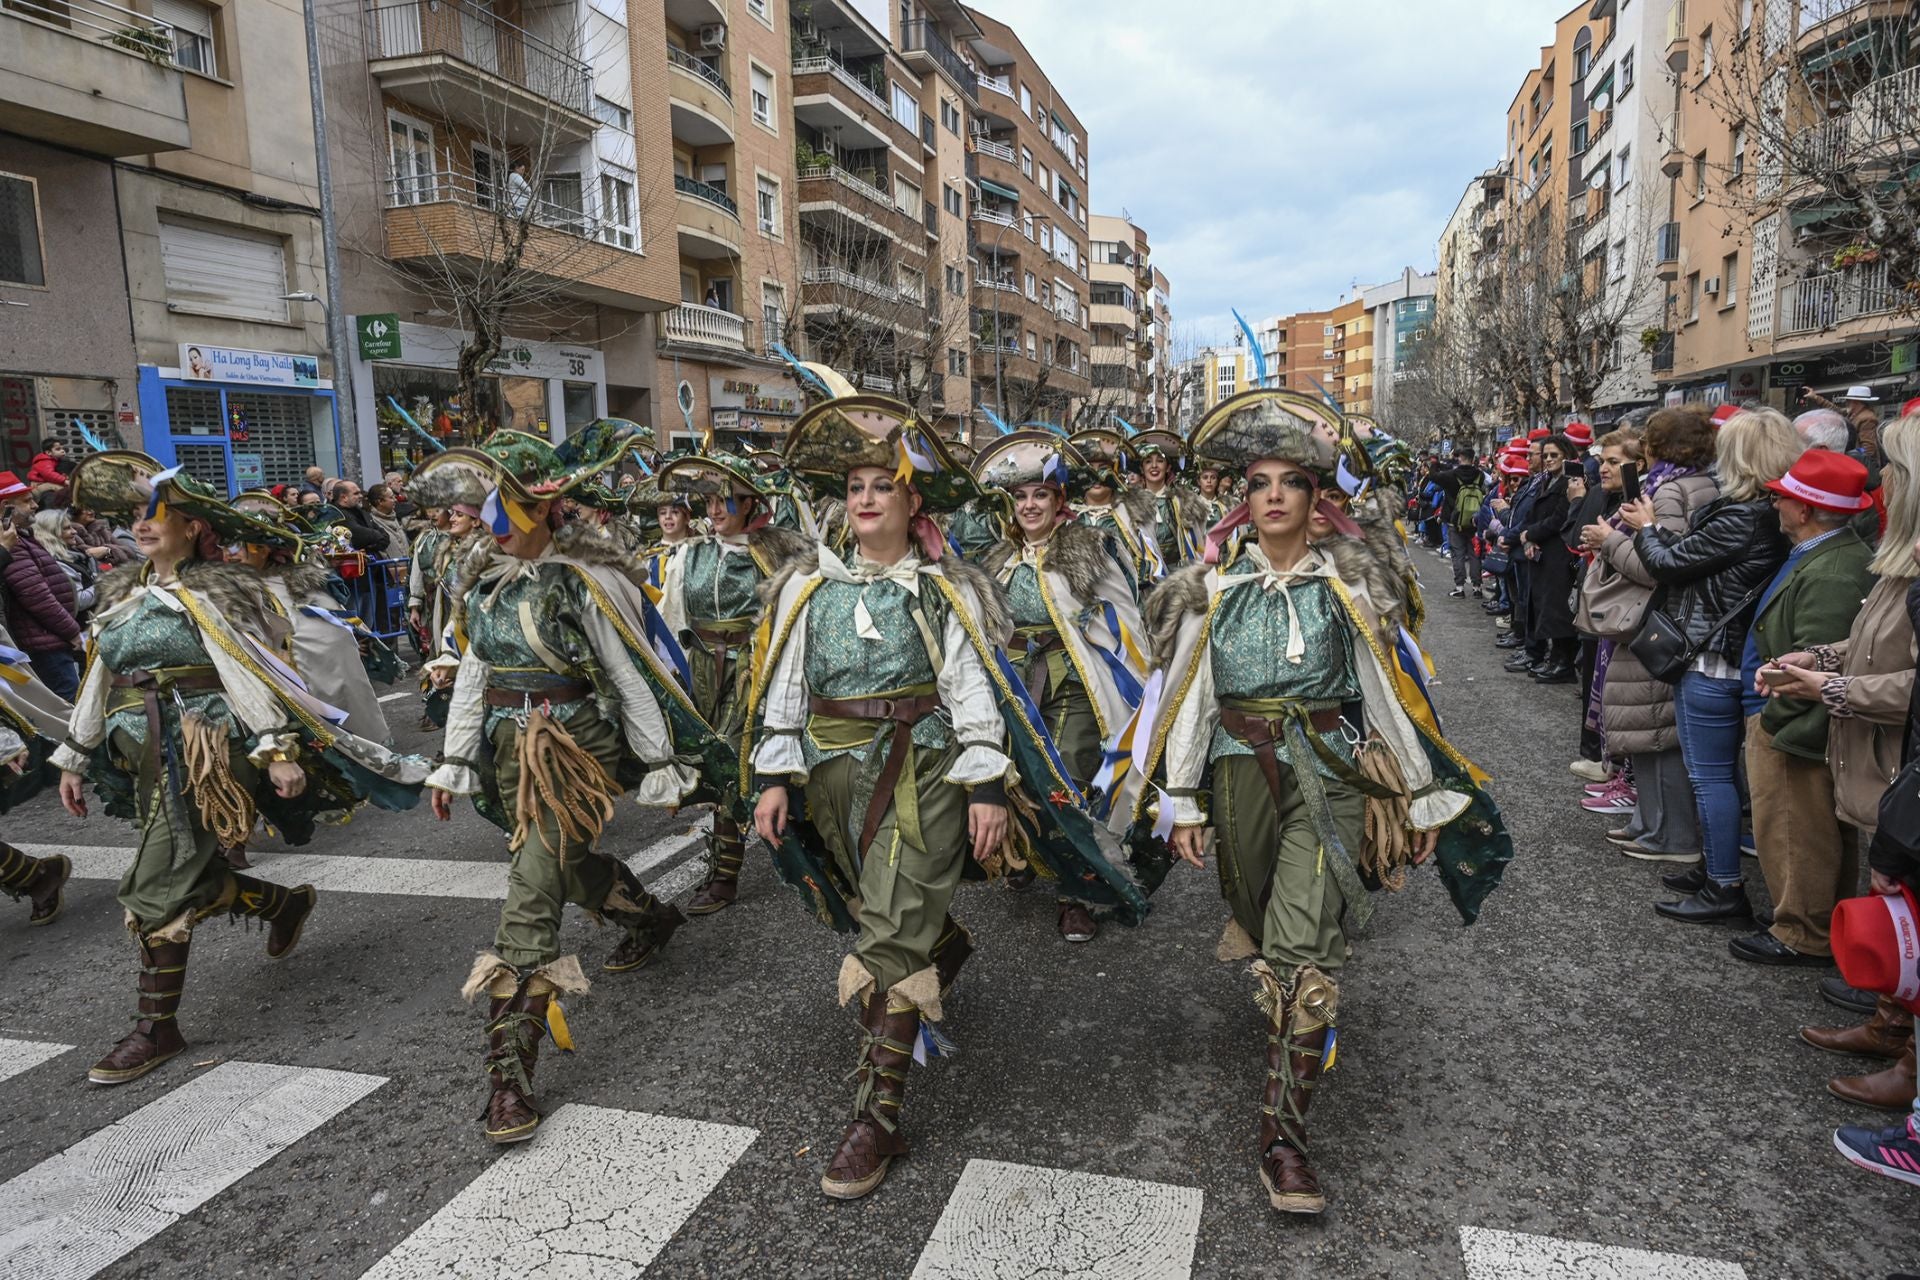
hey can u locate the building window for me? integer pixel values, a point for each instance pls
(1619, 259)
(192, 34)
(950, 116)
(1693, 296)
(1033, 289)
(1626, 71)
(1746, 18)
(768, 196)
(1227, 380)
(1031, 348)
(1623, 167)
(956, 280)
(1706, 52)
(1026, 161)
(616, 209)
(1580, 137)
(224, 271)
(950, 200)
(612, 114)
(905, 109)
(956, 362)
(1739, 161)
(1730, 279)
(1026, 101)
(1700, 176)
(762, 95)
(906, 196)
(410, 163)
(758, 8)
(21, 261)
(773, 312)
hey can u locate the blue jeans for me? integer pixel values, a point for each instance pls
(1711, 726)
(59, 670)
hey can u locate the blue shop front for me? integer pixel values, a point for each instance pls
(239, 419)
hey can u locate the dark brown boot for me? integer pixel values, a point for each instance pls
(1077, 923)
(1887, 1090)
(156, 1031)
(873, 1139)
(514, 1026)
(1294, 1059)
(727, 852)
(1887, 1034)
(236, 857)
(284, 910)
(41, 881)
(648, 921)
(951, 951)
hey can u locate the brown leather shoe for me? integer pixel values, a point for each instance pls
(1890, 1089)
(283, 910)
(513, 1047)
(46, 889)
(1292, 1185)
(726, 853)
(645, 938)
(1294, 1060)
(871, 1142)
(715, 895)
(156, 1032)
(1887, 1034)
(1077, 923)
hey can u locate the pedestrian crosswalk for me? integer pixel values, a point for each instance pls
(602, 1192)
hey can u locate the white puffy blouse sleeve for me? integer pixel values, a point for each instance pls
(1189, 739)
(784, 709)
(967, 693)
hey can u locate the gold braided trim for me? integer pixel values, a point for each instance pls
(1073, 656)
(226, 808)
(209, 629)
(1169, 711)
(767, 648)
(984, 652)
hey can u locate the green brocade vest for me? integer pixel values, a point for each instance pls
(152, 637)
(721, 586)
(543, 608)
(1247, 645)
(841, 664)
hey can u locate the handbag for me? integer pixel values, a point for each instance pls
(1612, 605)
(1495, 563)
(1662, 646)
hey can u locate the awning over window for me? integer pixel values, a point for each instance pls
(1822, 211)
(1854, 48)
(1005, 193)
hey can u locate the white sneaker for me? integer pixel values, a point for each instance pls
(1591, 770)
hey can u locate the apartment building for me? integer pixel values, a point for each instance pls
(1213, 374)
(1027, 221)
(1767, 294)
(1162, 378)
(154, 217)
(1400, 314)
(1123, 320)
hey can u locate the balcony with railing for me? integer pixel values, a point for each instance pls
(856, 200)
(1887, 110)
(693, 325)
(699, 101)
(1002, 85)
(709, 219)
(457, 60)
(921, 39)
(846, 102)
(1676, 36)
(1666, 251)
(91, 76)
(824, 283)
(1825, 25)
(1829, 300)
(988, 146)
(453, 220)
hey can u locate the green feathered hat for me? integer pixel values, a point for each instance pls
(1029, 457)
(134, 486)
(525, 468)
(1164, 444)
(309, 522)
(834, 437)
(1269, 423)
(715, 475)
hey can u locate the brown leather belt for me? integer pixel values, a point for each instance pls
(564, 691)
(1261, 733)
(1039, 645)
(151, 683)
(719, 645)
(903, 711)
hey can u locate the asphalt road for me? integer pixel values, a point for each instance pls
(1569, 1067)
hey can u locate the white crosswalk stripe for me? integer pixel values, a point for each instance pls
(74, 1214)
(1013, 1219)
(24, 1055)
(1511, 1255)
(596, 1197)
(342, 873)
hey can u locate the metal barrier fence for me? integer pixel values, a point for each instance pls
(378, 592)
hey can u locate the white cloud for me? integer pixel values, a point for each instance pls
(1276, 152)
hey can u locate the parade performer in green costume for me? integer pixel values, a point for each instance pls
(568, 695)
(1181, 515)
(190, 722)
(710, 600)
(1078, 641)
(1270, 677)
(889, 711)
(1108, 502)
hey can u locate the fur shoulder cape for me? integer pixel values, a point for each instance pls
(1181, 592)
(239, 593)
(1076, 551)
(996, 616)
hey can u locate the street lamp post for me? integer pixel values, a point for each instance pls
(330, 257)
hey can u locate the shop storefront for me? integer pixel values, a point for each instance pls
(84, 414)
(237, 419)
(543, 388)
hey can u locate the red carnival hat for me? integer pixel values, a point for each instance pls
(10, 486)
(1579, 433)
(1825, 479)
(1539, 433)
(1513, 465)
(1911, 406)
(1725, 414)
(1876, 943)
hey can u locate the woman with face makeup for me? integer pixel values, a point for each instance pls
(885, 705)
(561, 704)
(1078, 638)
(1278, 686)
(186, 722)
(710, 600)
(1106, 502)
(1181, 516)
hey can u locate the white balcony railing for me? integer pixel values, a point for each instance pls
(840, 277)
(820, 64)
(997, 219)
(1823, 301)
(705, 326)
(988, 282)
(878, 382)
(1001, 85)
(1821, 148)
(852, 183)
(988, 147)
(477, 36)
(565, 204)
(110, 24)
(1887, 108)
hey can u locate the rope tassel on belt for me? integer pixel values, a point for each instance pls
(226, 808)
(559, 776)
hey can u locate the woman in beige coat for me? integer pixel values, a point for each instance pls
(1866, 682)
(1637, 709)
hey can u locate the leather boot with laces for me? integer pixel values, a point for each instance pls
(648, 921)
(1294, 1057)
(1887, 1034)
(873, 1139)
(728, 852)
(951, 951)
(41, 881)
(515, 1024)
(156, 1030)
(284, 910)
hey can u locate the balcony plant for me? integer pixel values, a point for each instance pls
(154, 45)
(1854, 255)
(1651, 337)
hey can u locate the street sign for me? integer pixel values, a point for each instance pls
(379, 336)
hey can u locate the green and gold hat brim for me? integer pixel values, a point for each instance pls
(455, 477)
(529, 468)
(1028, 457)
(834, 438)
(122, 482)
(1164, 444)
(714, 475)
(1269, 423)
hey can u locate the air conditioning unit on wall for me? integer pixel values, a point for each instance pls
(1712, 286)
(713, 36)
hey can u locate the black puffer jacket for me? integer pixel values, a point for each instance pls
(1732, 549)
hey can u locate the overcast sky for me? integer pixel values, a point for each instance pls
(1278, 151)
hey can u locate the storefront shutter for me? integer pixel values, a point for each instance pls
(224, 271)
